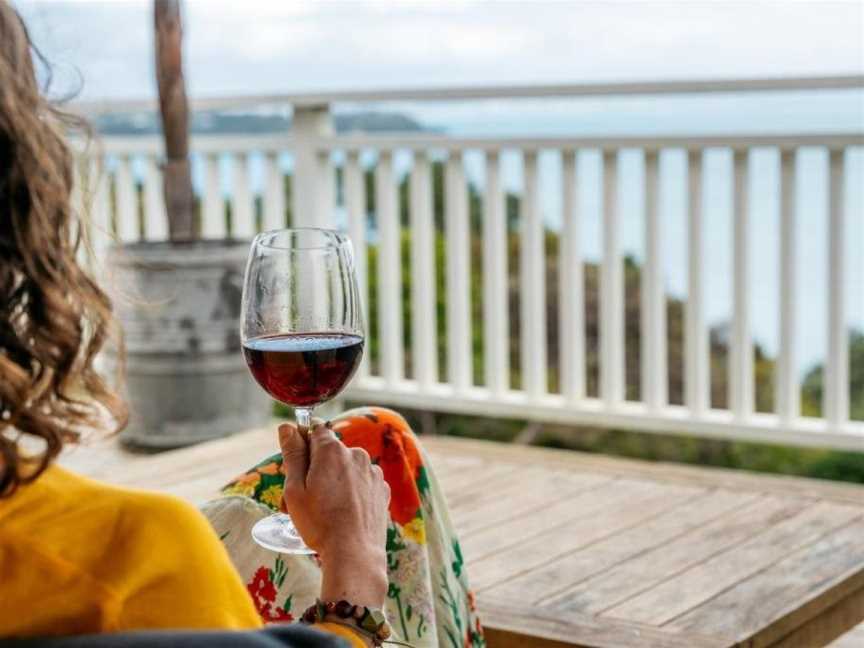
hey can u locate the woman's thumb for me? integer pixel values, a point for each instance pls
(295, 455)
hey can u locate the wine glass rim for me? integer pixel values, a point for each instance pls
(267, 239)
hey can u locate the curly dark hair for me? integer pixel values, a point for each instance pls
(54, 318)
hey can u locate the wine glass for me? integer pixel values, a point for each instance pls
(302, 333)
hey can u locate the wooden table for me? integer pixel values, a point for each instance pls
(566, 548)
(596, 551)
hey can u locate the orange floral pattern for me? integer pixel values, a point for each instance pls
(385, 435)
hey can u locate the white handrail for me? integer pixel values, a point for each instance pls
(152, 144)
(653, 143)
(278, 142)
(509, 91)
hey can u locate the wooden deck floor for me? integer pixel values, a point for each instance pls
(566, 549)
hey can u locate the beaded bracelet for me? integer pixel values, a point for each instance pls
(369, 621)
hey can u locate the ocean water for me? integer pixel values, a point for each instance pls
(726, 114)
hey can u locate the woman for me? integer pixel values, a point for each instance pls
(77, 556)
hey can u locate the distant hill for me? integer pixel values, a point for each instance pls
(221, 123)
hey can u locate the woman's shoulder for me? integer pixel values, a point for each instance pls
(70, 487)
(153, 556)
(144, 514)
(70, 506)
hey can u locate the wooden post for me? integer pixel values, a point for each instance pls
(174, 110)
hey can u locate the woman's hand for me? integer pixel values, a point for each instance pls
(338, 500)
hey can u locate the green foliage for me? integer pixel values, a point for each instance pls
(842, 466)
(805, 462)
(811, 390)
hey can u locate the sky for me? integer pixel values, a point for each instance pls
(267, 46)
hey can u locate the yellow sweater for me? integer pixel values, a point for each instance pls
(78, 556)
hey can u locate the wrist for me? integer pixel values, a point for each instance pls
(364, 623)
(356, 576)
(336, 627)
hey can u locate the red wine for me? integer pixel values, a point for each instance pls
(303, 369)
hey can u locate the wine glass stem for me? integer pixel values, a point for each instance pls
(304, 419)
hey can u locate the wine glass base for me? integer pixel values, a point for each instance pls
(278, 533)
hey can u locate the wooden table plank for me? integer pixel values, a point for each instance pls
(448, 465)
(467, 498)
(767, 606)
(540, 550)
(735, 480)
(527, 492)
(823, 628)
(674, 597)
(855, 637)
(515, 625)
(478, 477)
(221, 460)
(634, 576)
(512, 531)
(556, 578)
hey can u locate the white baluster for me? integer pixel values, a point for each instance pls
(389, 272)
(355, 205)
(533, 285)
(155, 218)
(572, 286)
(459, 355)
(611, 291)
(311, 200)
(696, 350)
(99, 211)
(788, 391)
(213, 224)
(274, 196)
(653, 311)
(78, 201)
(496, 317)
(836, 395)
(242, 207)
(424, 331)
(741, 353)
(326, 188)
(127, 202)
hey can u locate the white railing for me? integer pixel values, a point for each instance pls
(409, 375)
